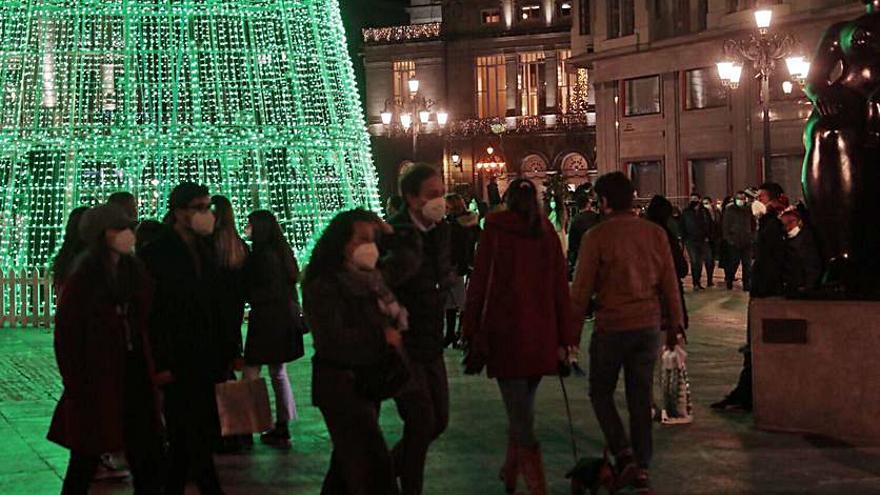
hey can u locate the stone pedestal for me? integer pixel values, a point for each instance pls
(816, 367)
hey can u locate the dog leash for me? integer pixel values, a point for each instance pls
(574, 450)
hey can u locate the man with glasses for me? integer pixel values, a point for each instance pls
(190, 350)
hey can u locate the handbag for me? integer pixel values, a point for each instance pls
(677, 407)
(243, 407)
(477, 351)
(383, 379)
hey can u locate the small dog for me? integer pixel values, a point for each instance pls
(592, 474)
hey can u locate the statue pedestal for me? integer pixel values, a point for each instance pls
(816, 367)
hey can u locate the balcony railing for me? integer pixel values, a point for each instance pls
(402, 34)
(569, 122)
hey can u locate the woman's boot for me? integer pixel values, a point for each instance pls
(278, 437)
(531, 463)
(510, 470)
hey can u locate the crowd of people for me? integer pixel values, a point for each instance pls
(149, 319)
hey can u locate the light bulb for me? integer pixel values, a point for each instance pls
(763, 18)
(442, 117)
(386, 117)
(424, 116)
(787, 87)
(413, 85)
(406, 120)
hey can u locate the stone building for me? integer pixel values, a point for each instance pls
(663, 115)
(501, 71)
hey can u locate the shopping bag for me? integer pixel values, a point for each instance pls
(677, 407)
(243, 407)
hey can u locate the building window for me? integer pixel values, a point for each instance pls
(530, 12)
(584, 17)
(566, 77)
(403, 71)
(530, 83)
(647, 178)
(491, 86)
(711, 177)
(642, 96)
(621, 18)
(704, 89)
(492, 16)
(565, 8)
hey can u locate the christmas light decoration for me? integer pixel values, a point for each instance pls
(397, 34)
(254, 98)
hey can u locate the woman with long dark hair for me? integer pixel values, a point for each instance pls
(355, 321)
(103, 353)
(71, 248)
(275, 329)
(660, 211)
(517, 315)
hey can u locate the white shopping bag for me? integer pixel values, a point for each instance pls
(676, 407)
(243, 407)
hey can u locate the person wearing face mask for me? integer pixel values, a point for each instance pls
(803, 265)
(355, 322)
(102, 349)
(191, 347)
(424, 403)
(275, 330)
(696, 224)
(739, 237)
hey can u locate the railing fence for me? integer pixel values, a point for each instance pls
(27, 298)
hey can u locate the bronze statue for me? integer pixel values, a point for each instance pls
(842, 166)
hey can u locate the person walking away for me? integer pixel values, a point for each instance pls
(72, 248)
(109, 402)
(659, 211)
(739, 236)
(423, 404)
(521, 311)
(803, 265)
(696, 222)
(464, 234)
(767, 280)
(714, 236)
(626, 262)
(586, 218)
(231, 253)
(275, 331)
(355, 321)
(191, 349)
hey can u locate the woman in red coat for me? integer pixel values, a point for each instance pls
(517, 314)
(101, 347)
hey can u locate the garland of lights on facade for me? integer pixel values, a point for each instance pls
(254, 98)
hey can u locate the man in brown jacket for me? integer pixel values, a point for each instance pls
(627, 264)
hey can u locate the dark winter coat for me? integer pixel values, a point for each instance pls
(580, 224)
(419, 274)
(274, 328)
(803, 265)
(464, 234)
(186, 333)
(737, 226)
(231, 304)
(697, 224)
(681, 270)
(99, 353)
(769, 257)
(528, 315)
(348, 331)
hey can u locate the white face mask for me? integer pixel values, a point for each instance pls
(365, 256)
(202, 223)
(123, 242)
(793, 232)
(434, 210)
(740, 203)
(759, 209)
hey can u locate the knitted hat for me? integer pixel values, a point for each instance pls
(101, 218)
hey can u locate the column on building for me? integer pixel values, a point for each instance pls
(551, 79)
(512, 90)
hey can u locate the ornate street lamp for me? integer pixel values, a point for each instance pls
(763, 50)
(412, 113)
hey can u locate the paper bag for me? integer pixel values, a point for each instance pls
(243, 407)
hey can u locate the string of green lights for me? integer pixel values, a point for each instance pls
(254, 98)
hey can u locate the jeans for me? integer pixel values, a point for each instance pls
(423, 404)
(737, 256)
(700, 254)
(519, 401)
(285, 406)
(193, 429)
(636, 352)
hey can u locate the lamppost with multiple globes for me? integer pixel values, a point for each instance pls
(412, 113)
(763, 50)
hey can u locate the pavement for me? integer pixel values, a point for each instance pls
(717, 454)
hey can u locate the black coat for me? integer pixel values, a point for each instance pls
(232, 297)
(803, 265)
(274, 327)
(419, 271)
(697, 224)
(187, 337)
(580, 224)
(464, 234)
(769, 257)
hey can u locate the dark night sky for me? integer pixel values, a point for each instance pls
(357, 14)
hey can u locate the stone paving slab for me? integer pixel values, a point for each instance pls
(717, 454)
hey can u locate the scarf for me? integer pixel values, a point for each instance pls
(371, 283)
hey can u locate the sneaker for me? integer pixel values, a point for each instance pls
(626, 468)
(278, 437)
(110, 470)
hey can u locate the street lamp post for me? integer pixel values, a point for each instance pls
(763, 50)
(412, 113)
